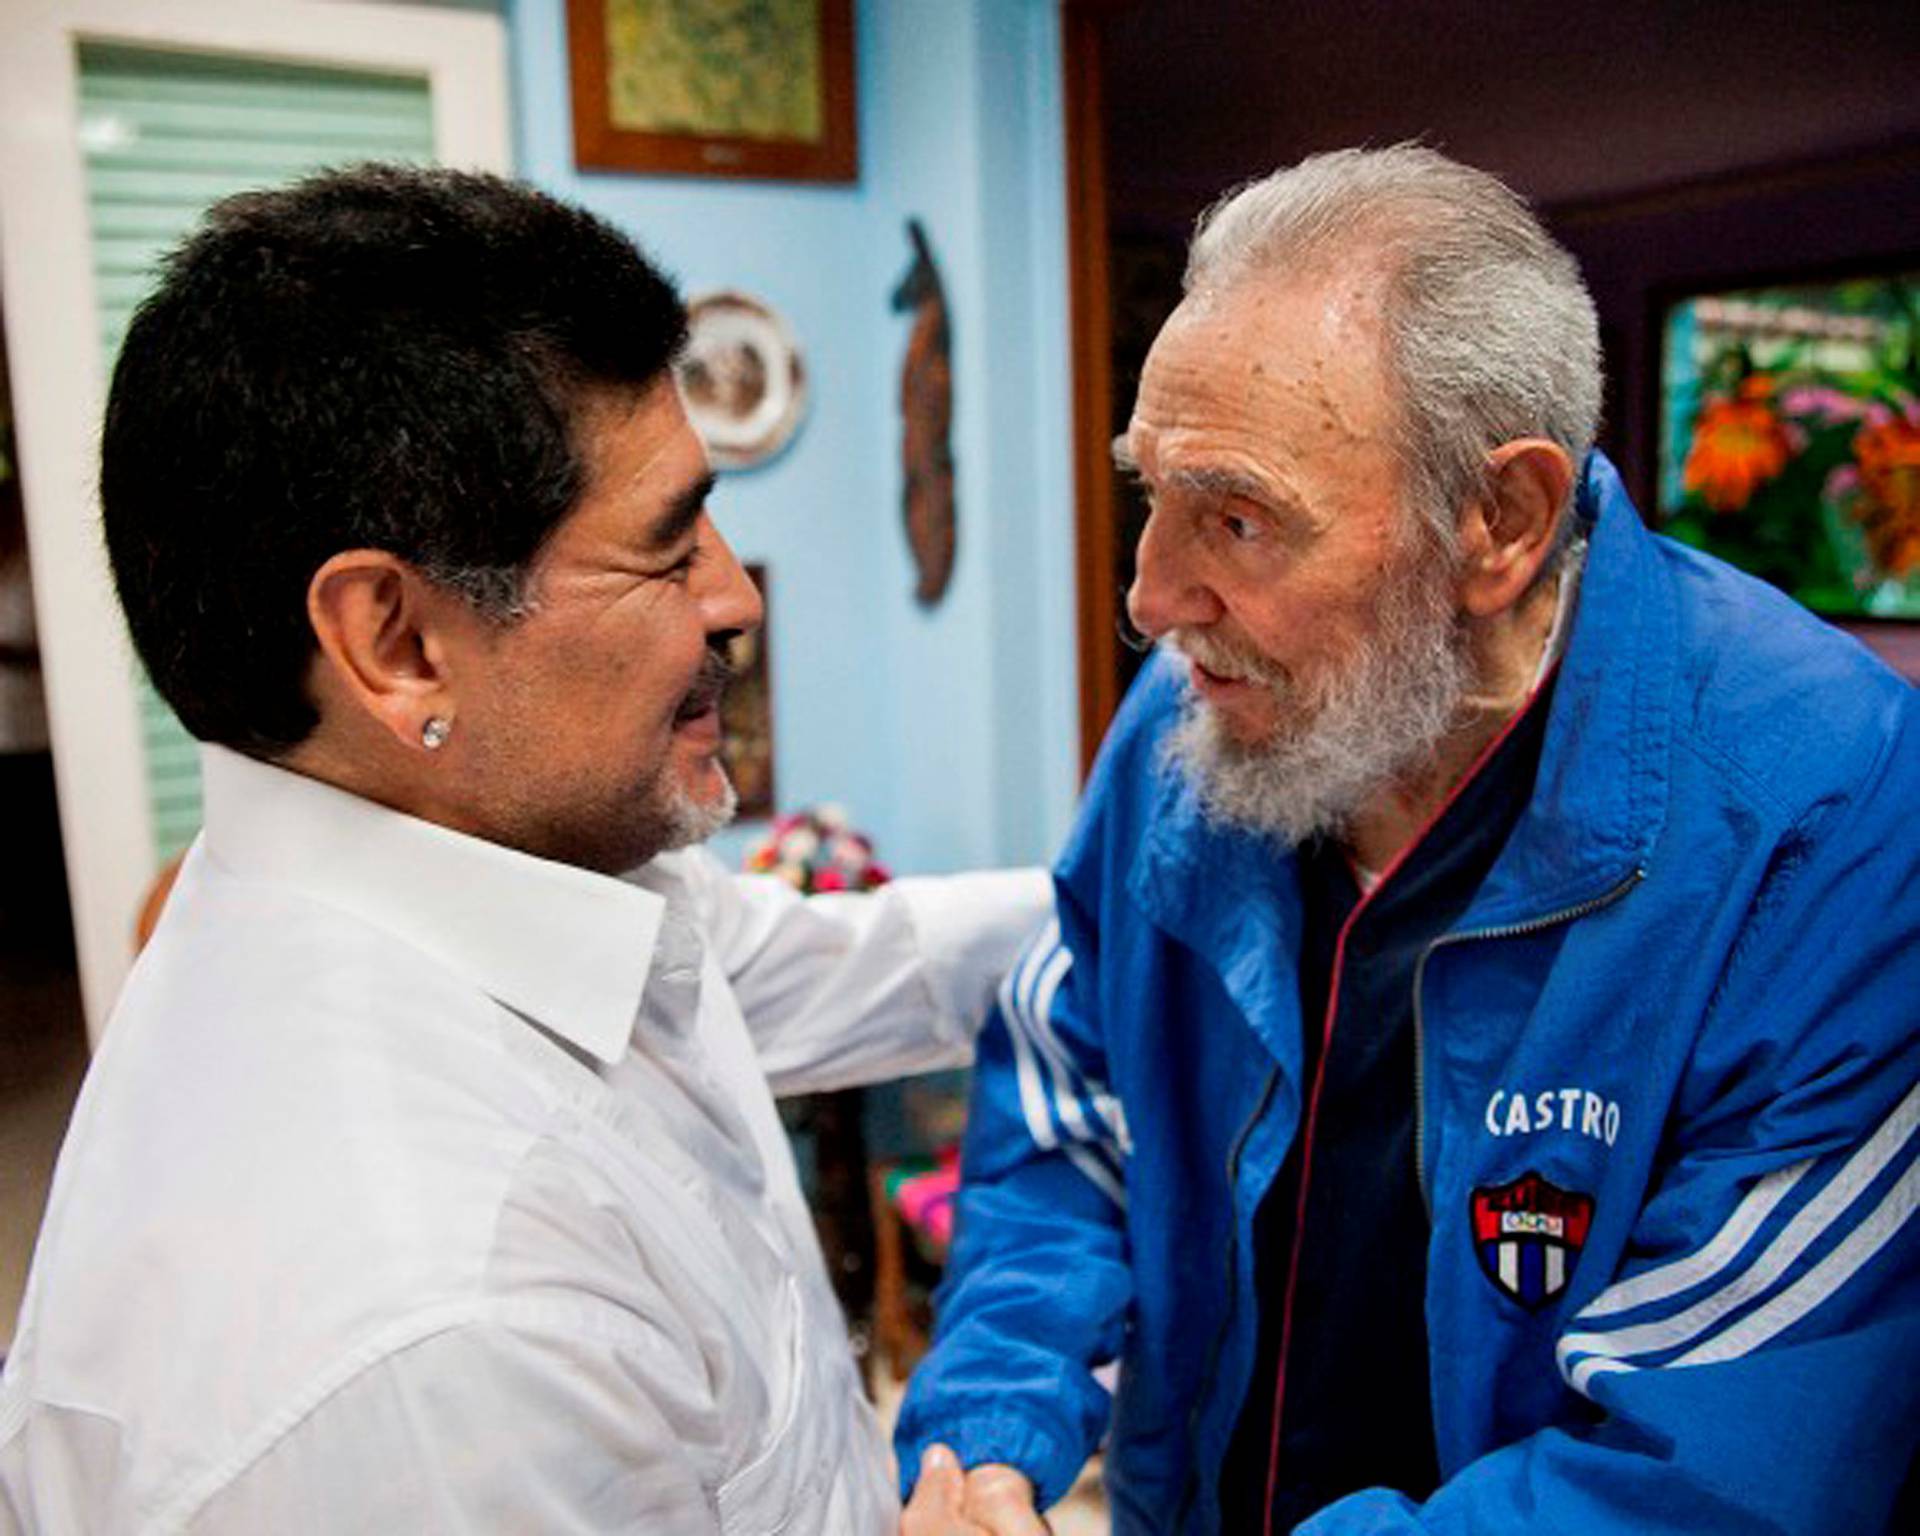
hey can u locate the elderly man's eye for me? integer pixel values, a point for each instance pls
(1238, 527)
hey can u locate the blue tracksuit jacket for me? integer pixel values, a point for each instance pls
(1668, 1114)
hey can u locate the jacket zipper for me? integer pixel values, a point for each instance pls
(1503, 931)
(1233, 1284)
(1238, 1148)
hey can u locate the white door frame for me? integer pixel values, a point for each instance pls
(57, 384)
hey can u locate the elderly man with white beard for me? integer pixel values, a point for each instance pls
(1470, 1084)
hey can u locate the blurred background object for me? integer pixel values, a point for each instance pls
(43, 1049)
(817, 851)
(926, 423)
(1790, 438)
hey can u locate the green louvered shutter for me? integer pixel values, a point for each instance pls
(165, 134)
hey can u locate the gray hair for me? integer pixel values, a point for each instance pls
(1490, 331)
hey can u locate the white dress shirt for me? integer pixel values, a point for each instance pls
(420, 1185)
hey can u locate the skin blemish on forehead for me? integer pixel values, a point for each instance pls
(1237, 360)
(1331, 385)
(1318, 370)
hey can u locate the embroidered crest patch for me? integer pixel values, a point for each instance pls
(1528, 1234)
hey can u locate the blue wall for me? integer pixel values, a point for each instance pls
(951, 735)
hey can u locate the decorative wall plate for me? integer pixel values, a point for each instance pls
(742, 379)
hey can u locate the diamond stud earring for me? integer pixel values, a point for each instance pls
(434, 734)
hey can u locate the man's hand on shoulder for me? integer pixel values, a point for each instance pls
(991, 1500)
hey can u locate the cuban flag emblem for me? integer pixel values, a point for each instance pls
(1528, 1235)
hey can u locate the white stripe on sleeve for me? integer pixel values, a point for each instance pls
(1026, 1001)
(1704, 1263)
(1820, 1282)
(1033, 1098)
(1066, 1098)
(1815, 1219)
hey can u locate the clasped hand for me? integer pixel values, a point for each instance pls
(991, 1500)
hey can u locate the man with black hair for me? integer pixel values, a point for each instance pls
(428, 1178)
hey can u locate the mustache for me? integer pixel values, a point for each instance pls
(716, 672)
(1223, 659)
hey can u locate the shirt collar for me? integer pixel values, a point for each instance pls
(1566, 602)
(564, 946)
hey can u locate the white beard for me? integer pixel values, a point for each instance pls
(686, 821)
(1373, 723)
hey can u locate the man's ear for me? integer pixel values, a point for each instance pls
(374, 617)
(1507, 533)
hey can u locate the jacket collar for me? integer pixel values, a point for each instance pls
(1600, 797)
(1598, 806)
(565, 947)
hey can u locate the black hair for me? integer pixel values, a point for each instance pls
(378, 357)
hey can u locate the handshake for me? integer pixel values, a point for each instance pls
(991, 1500)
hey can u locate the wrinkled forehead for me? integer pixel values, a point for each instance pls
(643, 472)
(1309, 318)
(1295, 363)
(1345, 289)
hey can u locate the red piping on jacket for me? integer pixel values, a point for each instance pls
(1320, 1077)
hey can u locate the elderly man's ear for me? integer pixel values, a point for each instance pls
(1506, 535)
(383, 640)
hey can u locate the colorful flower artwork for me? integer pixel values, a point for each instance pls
(1791, 439)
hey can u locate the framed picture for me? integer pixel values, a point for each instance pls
(1790, 437)
(754, 88)
(746, 714)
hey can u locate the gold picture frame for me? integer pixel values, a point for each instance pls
(748, 88)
